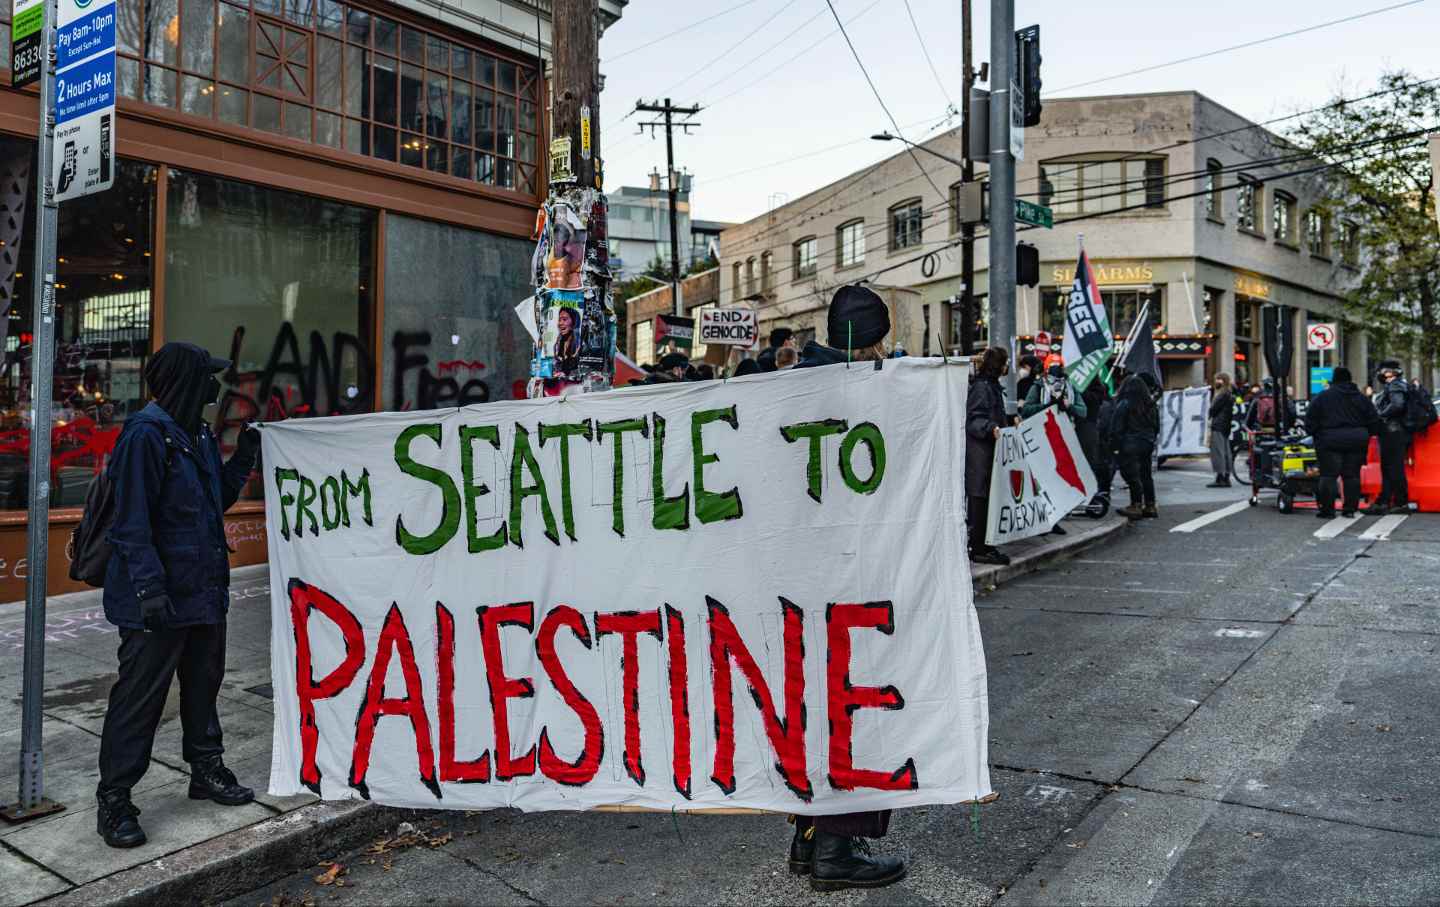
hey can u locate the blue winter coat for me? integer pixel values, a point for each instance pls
(169, 533)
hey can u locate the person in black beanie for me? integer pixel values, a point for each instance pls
(829, 849)
(167, 586)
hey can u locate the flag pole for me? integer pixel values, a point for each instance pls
(1130, 337)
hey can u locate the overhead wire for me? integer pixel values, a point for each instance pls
(926, 51)
(679, 31)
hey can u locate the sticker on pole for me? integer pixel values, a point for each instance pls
(83, 160)
(27, 33)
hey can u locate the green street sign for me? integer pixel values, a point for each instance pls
(1033, 214)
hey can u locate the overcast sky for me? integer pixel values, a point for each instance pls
(792, 88)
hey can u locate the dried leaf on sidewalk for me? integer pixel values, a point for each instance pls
(329, 876)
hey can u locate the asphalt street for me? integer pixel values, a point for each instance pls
(1236, 707)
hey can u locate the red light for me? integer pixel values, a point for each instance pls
(26, 337)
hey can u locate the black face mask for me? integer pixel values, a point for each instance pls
(212, 390)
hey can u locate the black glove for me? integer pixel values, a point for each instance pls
(248, 444)
(156, 612)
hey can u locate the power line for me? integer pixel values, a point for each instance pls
(1258, 41)
(926, 51)
(696, 24)
(734, 47)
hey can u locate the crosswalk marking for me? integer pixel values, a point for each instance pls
(1380, 532)
(1336, 526)
(1200, 522)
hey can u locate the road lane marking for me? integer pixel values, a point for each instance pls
(1238, 633)
(1214, 516)
(1380, 532)
(1336, 526)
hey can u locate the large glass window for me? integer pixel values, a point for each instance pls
(1214, 205)
(1122, 308)
(1248, 210)
(1317, 232)
(1350, 244)
(1282, 217)
(906, 224)
(280, 283)
(336, 75)
(451, 335)
(102, 324)
(1097, 186)
(804, 265)
(850, 244)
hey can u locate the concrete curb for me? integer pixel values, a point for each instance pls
(248, 858)
(241, 860)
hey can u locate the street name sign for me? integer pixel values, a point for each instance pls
(84, 157)
(1031, 213)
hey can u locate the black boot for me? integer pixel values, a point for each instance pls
(802, 849)
(211, 780)
(116, 819)
(844, 862)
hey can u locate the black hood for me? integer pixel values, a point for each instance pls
(819, 354)
(1345, 387)
(179, 378)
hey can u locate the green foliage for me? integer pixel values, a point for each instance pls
(1387, 190)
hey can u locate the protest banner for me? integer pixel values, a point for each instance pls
(729, 327)
(1184, 417)
(742, 594)
(1040, 474)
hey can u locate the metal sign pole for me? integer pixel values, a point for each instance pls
(42, 362)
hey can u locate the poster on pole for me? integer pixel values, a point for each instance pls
(83, 160)
(1040, 474)
(736, 594)
(1184, 419)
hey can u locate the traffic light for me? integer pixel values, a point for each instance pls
(1027, 70)
(1027, 265)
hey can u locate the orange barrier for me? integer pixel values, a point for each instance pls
(1422, 471)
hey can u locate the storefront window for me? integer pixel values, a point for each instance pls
(451, 334)
(1247, 340)
(280, 283)
(336, 75)
(1122, 307)
(102, 326)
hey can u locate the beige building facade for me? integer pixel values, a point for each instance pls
(1182, 204)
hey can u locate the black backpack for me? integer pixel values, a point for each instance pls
(1419, 409)
(90, 539)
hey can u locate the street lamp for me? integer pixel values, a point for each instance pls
(886, 137)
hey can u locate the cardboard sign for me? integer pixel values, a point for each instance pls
(726, 594)
(729, 327)
(1184, 419)
(1039, 475)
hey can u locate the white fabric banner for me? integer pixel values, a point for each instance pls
(749, 593)
(1184, 418)
(1040, 474)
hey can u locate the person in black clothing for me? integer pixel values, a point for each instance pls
(1341, 421)
(1031, 370)
(1088, 428)
(1264, 410)
(828, 848)
(1222, 419)
(984, 417)
(1390, 401)
(167, 586)
(1136, 426)
(779, 337)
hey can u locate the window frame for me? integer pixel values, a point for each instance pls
(1255, 190)
(913, 209)
(1286, 203)
(1350, 244)
(750, 276)
(841, 262)
(1139, 190)
(767, 272)
(1323, 218)
(1214, 191)
(798, 269)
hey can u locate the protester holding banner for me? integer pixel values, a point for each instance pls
(985, 416)
(1136, 428)
(1341, 421)
(1053, 389)
(167, 586)
(1222, 418)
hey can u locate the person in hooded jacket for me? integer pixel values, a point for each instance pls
(1341, 420)
(1135, 428)
(830, 849)
(167, 586)
(984, 417)
(1390, 404)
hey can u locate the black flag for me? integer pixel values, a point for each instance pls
(1140, 356)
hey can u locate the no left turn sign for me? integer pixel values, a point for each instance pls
(1321, 336)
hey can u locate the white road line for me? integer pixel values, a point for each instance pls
(1380, 532)
(1200, 522)
(1336, 526)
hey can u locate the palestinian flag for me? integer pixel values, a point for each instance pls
(1088, 342)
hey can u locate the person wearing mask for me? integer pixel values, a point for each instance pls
(1053, 389)
(1028, 373)
(1135, 430)
(1341, 421)
(1222, 419)
(167, 585)
(674, 366)
(830, 849)
(984, 417)
(780, 338)
(1390, 402)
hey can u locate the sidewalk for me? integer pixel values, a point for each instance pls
(198, 849)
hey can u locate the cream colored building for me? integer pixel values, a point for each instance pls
(1204, 251)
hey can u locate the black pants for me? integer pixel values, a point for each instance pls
(1337, 466)
(977, 515)
(1394, 491)
(851, 825)
(148, 661)
(1135, 457)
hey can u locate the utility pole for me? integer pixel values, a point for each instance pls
(1002, 188)
(669, 110)
(575, 110)
(967, 175)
